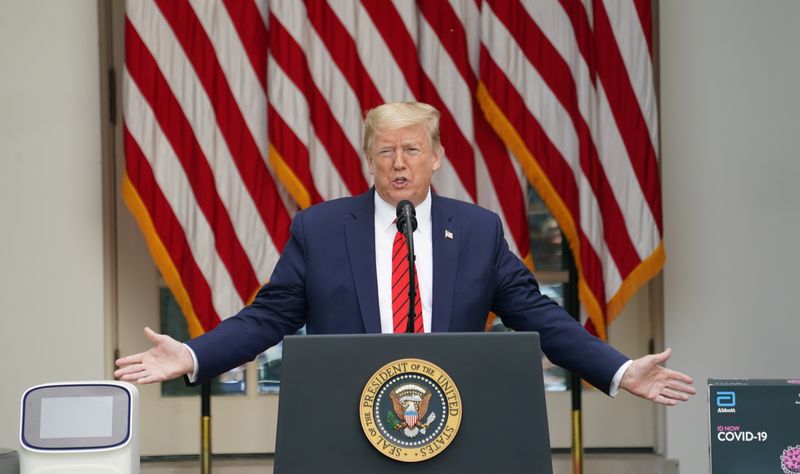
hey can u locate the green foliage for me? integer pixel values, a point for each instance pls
(392, 419)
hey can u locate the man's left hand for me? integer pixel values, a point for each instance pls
(647, 378)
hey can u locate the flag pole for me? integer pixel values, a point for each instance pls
(205, 428)
(572, 305)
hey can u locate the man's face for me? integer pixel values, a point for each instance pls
(403, 162)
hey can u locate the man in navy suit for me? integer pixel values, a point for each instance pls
(335, 277)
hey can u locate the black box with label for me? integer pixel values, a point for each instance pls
(754, 426)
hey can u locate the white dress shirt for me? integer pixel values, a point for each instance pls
(385, 231)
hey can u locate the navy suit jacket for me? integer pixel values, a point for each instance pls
(326, 279)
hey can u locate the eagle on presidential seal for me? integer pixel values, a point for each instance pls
(409, 407)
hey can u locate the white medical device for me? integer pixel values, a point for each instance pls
(80, 428)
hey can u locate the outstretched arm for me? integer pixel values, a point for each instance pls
(166, 360)
(647, 378)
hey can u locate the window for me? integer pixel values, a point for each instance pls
(269, 368)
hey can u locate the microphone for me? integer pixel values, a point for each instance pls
(406, 213)
(407, 224)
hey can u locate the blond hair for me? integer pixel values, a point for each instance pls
(396, 115)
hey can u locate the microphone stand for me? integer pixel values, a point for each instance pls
(412, 288)
(407, 224)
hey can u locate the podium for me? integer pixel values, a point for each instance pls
(422, 403)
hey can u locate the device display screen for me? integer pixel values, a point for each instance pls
(76, 417)
(69, 417)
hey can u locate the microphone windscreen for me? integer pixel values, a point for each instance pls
(403, 204)
(405, 210)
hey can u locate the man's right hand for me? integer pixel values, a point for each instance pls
(166, 360)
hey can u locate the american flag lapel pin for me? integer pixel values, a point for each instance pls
(448, 235)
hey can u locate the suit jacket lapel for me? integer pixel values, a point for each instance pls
(360, 241)
(445, 241)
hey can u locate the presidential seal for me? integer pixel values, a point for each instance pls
(410, 410)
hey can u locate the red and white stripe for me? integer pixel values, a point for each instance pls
(195, 135)
(569, 87)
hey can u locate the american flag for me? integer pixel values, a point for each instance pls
(239, 112)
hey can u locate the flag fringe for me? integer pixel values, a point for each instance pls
(160, 255)
(640, 275)
(539, 180)
(289, 180)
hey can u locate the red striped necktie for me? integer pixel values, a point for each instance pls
(400, 288)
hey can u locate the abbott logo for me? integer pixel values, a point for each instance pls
(726, 401)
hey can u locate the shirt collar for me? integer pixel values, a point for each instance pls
(385, 214)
